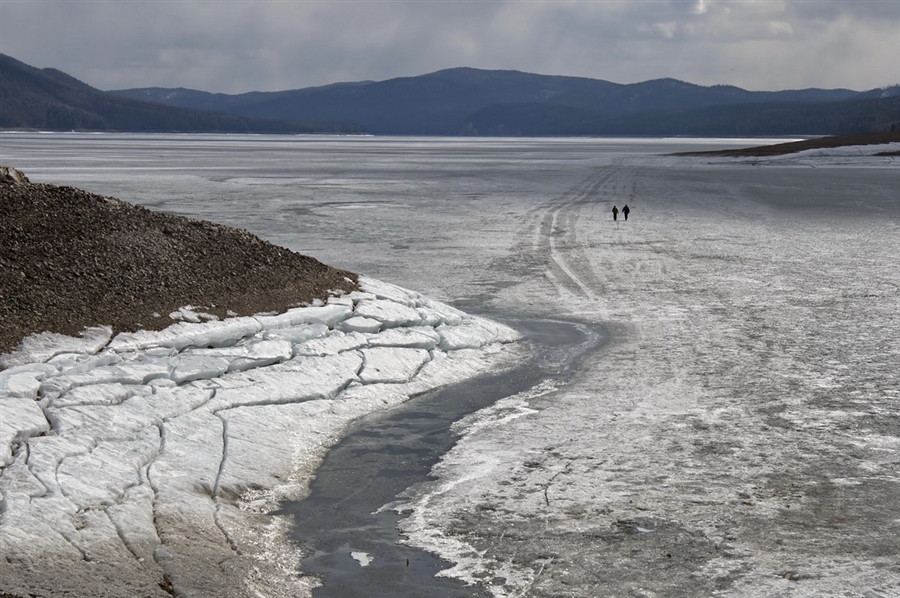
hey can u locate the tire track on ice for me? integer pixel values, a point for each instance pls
(554, 241)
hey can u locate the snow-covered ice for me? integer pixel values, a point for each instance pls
(159, 451)
(738, 436)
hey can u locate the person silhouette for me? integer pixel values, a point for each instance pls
(615, 212)
(625, 211)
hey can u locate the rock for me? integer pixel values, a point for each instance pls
(12, 176)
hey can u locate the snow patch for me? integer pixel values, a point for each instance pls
(363, 558)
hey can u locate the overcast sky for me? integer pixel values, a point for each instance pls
(234, 46)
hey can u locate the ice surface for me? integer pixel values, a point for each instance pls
(328, 315)
(360, 324)
(744, 409)
(298, 334)
(166, 447)
(470, 334)
(22, 419)
(735, 436)
(179, 336)
(24, 380)
(41, 347)
(389, 313)
(391, 364)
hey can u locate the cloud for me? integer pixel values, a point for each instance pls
(243, 45)
(667, 30)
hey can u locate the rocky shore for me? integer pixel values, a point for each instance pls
(70, 259)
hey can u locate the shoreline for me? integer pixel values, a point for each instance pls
(791, 147)
(73, 260)
(138, 468)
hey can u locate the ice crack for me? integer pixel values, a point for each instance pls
(552, 479)
(216, 487)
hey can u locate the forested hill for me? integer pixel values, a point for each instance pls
(465, 101)
(48, 99)
(461, 101)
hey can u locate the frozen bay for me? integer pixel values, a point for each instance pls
(738, 436)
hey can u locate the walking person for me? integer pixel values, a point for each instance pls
(625, 211)
(615, 211)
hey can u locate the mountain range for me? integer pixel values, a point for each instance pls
(50, 100)
(459, 101)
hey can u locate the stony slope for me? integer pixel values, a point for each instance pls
(71, 259)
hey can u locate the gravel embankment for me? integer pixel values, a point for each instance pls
(70, 259)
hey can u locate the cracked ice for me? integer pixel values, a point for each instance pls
(152, 458)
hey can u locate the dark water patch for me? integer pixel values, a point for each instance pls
(385, 453)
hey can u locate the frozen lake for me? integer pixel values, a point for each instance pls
(739, 435)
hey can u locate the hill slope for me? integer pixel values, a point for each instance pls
(460, 101)
(480, 102)
(71, 259)
(48, 99)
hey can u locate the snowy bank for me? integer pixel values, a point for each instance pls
(871, 156)
(147, 463)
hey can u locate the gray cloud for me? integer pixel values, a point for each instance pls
(245, 45)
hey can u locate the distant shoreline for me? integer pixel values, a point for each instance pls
(791, 147)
